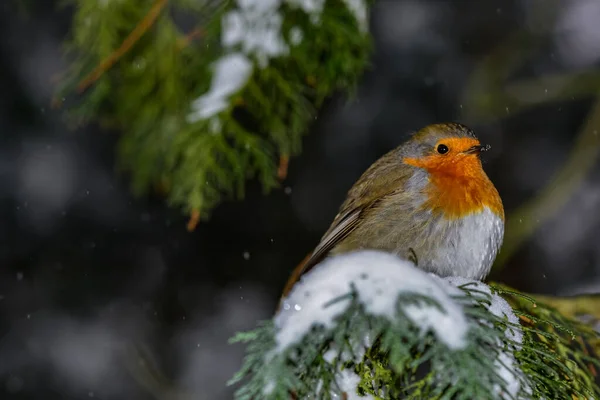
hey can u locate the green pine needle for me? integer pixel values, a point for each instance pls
(147, 94)
(401, 363)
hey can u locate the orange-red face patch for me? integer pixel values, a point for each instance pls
(458, 186)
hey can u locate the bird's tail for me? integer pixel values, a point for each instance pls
(294, 277)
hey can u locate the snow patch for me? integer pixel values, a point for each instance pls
(296, 36)
(256, 28)
(252, 31)
(506, 365)
(498, 306)
(359, 9)
(269, 387)
(347, 381)
(231, 73)
(378, 279)
(311, 7)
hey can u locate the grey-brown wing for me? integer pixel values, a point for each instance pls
(364, 195)
(339, 230)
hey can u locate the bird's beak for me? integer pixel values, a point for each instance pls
(477, 149)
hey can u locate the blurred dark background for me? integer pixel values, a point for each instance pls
(86, 268)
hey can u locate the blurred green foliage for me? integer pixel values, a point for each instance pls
(145, 82)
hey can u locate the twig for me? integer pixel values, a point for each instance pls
(282, 170)
(525, 319)
(141, 28)
(193, 221)
(191, 36)
(586, 351)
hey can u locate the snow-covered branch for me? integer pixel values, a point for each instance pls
(371, 325)
(202, 111)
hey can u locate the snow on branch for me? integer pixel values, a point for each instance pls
(203, 111)
(255, 28)
(371, 325)
(375, 280)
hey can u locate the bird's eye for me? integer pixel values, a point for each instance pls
(442, 149)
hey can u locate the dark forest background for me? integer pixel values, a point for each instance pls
(86, 269)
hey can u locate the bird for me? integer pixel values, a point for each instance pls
(428, 200)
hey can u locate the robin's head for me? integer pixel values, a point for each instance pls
(449, 153)
(449, 149)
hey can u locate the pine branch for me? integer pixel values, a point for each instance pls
(199, 120)
(334, 336)
(141, 28)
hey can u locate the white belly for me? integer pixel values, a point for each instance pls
(469, 246)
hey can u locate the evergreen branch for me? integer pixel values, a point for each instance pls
(392, 365)
(574, 341)
(575, 306)
(198, 121)
(547, 357)
(141, 28)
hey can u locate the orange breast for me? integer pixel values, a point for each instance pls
(457, 197)
(458, 187)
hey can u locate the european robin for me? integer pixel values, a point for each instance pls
(428, 200)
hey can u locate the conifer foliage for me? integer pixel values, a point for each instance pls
(209, 93)
(369, 325)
